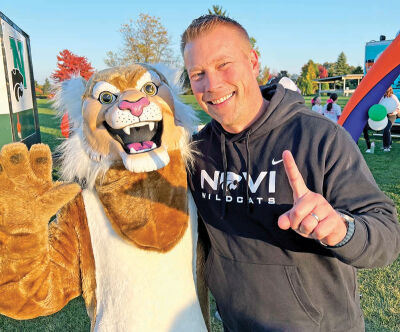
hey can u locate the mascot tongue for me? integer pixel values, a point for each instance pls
(141, 146)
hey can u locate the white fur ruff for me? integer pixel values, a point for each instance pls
(140, 290)
(67, 98)
(76, 163)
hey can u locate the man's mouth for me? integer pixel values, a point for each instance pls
(221, 100)
(139, 137)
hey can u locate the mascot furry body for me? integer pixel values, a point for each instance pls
(127, 241)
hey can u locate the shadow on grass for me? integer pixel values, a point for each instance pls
(72, 318)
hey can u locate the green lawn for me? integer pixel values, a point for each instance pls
(379, 288)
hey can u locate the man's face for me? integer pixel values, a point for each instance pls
(222, 70)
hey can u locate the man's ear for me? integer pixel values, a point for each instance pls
(255, 65)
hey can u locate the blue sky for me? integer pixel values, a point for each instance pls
(288, 33)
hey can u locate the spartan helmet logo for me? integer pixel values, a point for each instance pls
(232, 180)
(17, 83)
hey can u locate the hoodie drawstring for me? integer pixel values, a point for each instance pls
(225, 167)
(249, 207)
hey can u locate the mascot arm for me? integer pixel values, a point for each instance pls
(39, 265)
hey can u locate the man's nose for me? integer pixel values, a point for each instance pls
(212, 82)
(136, 107)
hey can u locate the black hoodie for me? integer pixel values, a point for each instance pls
(267, 279)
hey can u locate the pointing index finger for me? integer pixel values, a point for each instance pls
(294, 176)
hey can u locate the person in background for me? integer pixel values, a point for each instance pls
(387, 136)
(367, 140)
(332, 110)
(316, 104)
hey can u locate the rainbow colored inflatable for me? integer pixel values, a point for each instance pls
(371, 89)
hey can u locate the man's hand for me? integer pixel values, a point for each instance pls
(311, 215)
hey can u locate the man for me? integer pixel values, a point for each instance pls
(289, 204)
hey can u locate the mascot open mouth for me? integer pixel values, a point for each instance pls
(139, 137)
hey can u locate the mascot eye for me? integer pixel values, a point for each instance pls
(150, 89)
(107, 97)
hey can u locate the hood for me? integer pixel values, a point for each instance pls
(283, 105)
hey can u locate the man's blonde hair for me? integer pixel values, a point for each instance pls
(206, 23)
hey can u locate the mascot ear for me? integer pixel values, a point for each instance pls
(68, 99)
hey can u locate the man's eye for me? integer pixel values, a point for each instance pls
(196, 76)
(150, 89)
(107, 97)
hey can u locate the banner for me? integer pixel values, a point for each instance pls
(18, 114)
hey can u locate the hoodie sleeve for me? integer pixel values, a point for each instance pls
(350, 187)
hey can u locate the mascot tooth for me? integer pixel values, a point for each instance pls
(126, 241)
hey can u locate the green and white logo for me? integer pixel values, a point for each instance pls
(18, 73)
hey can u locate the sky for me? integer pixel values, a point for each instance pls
(288, 33)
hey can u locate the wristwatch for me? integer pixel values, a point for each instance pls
(351, 226)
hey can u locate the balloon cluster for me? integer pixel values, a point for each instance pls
(377, 113)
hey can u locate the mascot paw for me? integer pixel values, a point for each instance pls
(28, 196)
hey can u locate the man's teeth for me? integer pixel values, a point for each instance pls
(127, 129)
(221, 100)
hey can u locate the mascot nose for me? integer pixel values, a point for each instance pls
(136, 107)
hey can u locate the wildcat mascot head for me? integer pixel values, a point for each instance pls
(127, 114)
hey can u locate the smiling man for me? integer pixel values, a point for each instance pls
(288, 202)
(222, 77)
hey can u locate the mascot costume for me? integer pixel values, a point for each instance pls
(126, 236)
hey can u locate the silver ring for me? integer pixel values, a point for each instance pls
(315, 216)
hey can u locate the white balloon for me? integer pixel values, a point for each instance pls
(378, 125)
(389, 103)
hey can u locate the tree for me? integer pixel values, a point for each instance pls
(265, 76)
(330, 67)
(253, 43)
(283, 73)
(323, 72)
(341, 67)
(305, 83)
(217, 10)
(144, 40)
(356, 70)
(69, 64)
(294, 77)
(46, 86)
(38, 88)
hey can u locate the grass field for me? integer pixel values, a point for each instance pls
(380, 288)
